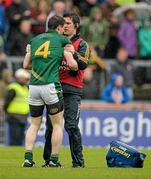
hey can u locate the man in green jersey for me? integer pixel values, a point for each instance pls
(44, 55)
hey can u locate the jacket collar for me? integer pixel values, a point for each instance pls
(75, 37)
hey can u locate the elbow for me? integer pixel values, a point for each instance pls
(82, 65)
(24, 66)
(27, 66)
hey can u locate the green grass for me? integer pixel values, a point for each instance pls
(11, 159)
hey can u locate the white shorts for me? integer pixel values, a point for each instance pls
(45, 94)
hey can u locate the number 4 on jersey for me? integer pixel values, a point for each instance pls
(43, 50)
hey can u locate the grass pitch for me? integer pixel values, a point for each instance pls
(11, 159)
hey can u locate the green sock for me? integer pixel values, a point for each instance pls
(29, 155)
(54, 158)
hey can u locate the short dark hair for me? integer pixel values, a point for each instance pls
(74, 17)
(55, 21)
(129, 11)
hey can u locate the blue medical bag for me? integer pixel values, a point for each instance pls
(124, 156)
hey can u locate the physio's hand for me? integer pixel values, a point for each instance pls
(67, 53)
(70, 48)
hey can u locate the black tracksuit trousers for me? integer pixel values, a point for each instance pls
(71, 117)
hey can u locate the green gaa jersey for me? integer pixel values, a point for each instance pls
(46, 55)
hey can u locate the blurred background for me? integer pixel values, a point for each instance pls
(117, 82)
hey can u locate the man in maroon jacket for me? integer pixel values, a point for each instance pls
(72, 85)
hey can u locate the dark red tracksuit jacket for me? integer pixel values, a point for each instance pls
(81, 55)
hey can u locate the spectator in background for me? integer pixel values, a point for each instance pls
(7, 77)
(58, 8)
(69, 6)
(3, 64)
(2, 53)
(115, 91)
(3, 23)
(113, 20)
(108, 8)
(15, 13)
(39, 16)
(113, 43)
(77, 2)
(102, 1)
(147, 1)
(86, 6)
(16, 107)
(32, 6)
(89, 84)
(96, 30)
(144, 39)
(125, 2)
(21, 39)
(7, 3)
(143, 74)
(41, 10)
(124, 67)
(127, 34)
(94, 76)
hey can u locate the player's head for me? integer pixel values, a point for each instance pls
(72, 23)
(56, 22)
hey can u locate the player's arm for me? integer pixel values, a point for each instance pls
(82, 55)
(68, 54)
(70, 60)
(27, 62)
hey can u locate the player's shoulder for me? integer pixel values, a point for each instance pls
(64, 39)
(34, 38)
(39, 36)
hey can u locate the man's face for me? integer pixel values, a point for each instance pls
(25, 27)
(122, 55)
(22, 80)
(130, 16)
(119, 81)
(69, 27)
